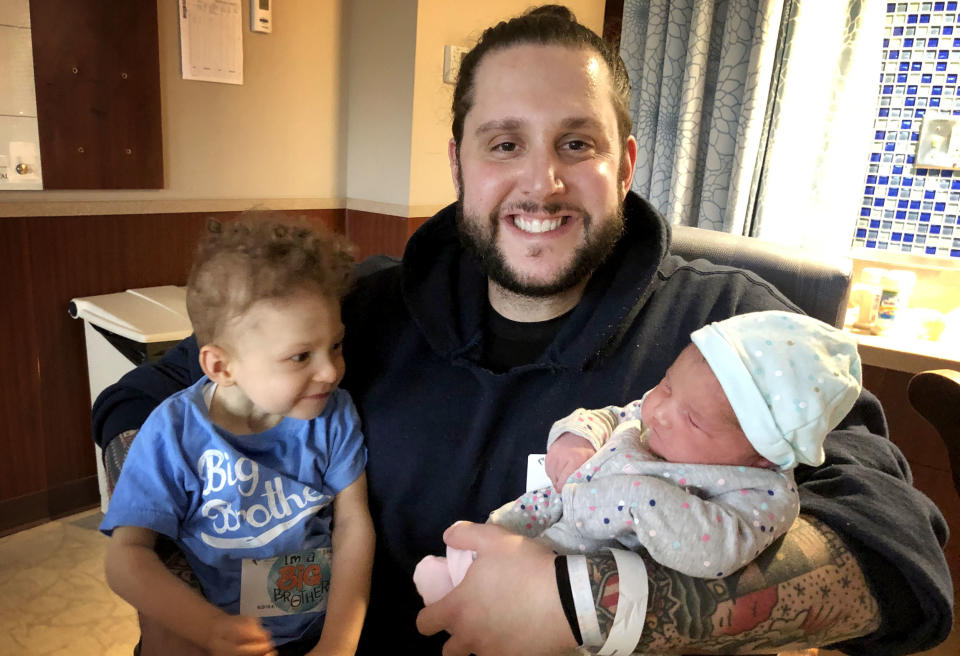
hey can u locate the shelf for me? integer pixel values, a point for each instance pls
(909, 355)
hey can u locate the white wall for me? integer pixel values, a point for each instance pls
(277, 135)
(379, 48)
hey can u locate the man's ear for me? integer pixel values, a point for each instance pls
(215, 362)
(628, 162)
(454, 164)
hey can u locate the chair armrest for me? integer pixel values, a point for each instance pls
(935, 394)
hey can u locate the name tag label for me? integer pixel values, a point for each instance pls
(536, 474)
(286, 585)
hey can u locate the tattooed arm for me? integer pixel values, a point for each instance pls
(806, 591)
(863, 566)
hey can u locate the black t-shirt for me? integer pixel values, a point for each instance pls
(508, 344)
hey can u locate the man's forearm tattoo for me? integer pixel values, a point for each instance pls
(805, 590)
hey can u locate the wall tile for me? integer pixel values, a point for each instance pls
(907, 209)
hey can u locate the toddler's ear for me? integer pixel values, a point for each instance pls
(215, 363)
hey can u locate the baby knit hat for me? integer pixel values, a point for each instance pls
(790, 379)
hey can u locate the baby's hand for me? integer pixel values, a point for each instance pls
(565, 456)
(236, 635)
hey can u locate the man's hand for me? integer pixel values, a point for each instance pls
(508, 602)
(565, 456)
(236, 635)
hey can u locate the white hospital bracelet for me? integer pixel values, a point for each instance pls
(631, 613)
(583, 601)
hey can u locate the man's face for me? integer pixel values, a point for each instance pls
(541, 174)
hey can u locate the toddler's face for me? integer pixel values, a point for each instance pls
(287, 354)
(690, 419)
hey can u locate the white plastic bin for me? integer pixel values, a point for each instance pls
(124, 330)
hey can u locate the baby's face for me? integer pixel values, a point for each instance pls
(690, 419)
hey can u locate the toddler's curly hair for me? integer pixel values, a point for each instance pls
(261, 256)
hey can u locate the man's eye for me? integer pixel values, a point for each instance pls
(300, 357)
(505, 147)
(577, 146)
(336, 348)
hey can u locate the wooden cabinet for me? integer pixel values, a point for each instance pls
(96, 69)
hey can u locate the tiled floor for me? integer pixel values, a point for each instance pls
(53, 597)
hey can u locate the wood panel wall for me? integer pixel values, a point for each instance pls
(374, 233)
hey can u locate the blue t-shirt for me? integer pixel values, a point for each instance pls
(225, 498)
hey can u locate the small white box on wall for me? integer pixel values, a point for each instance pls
(261, 16)
(939, 144)
(20, 154)
(451, 62)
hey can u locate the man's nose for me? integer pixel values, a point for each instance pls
(543, 173)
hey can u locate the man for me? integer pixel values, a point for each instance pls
(547, 287)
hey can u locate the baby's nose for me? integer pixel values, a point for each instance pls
(660, 416)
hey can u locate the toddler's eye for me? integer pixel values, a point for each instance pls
(300, 357)
(337, 347)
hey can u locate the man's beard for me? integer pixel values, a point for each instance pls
(599, 241)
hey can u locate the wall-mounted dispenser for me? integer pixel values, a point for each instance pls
(939, 144)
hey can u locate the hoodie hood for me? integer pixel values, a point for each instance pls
(445, 290)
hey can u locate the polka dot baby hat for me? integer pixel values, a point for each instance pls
(789, 378)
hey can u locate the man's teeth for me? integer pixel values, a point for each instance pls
(538, 225)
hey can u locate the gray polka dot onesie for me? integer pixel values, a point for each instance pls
(702, 520)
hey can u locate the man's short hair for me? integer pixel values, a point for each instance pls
(261, 256)
(546, 25)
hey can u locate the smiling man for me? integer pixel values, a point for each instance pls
(543, 207)
(548, 286)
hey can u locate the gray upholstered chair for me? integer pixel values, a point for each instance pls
(820, 286)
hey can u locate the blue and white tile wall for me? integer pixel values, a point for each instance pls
(907, 209)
